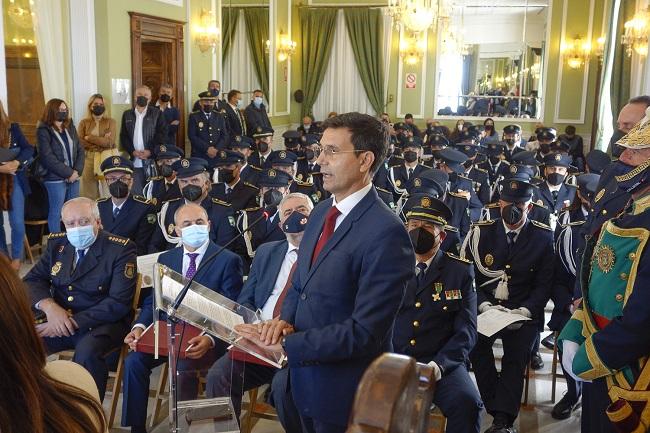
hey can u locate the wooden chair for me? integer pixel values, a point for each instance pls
(554, 369)
(256, 410)
(527, 375)
(437, 416)
(39, 246)
(161, 395)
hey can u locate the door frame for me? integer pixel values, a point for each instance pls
(150, 28)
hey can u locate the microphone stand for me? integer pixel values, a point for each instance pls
(172, 322)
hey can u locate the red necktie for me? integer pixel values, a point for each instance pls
(328, 230)
(278, 305)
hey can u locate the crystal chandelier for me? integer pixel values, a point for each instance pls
(414, 15)
(637, 29)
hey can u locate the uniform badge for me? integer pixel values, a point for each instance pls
(163, 148)
(170, 229)
(417, 182)
(151, 218)
(129, 270)
(116, 160)
(605, 257)
(272, 173)
(489, 259)
(185, 163)
(437, 287)
(299, 177)
(56, 268)
(558, 157)
(200, 124)
(600, 195)
(425, 202)
(513, 185)
(231, 220)
(238, 138)
(513, 169)
(61, 248)
(398, 183)
(283, 154)
(314, 197)
(318, 194)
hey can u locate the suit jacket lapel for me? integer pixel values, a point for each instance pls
(522, 240)
(89, 262)
(546, 193)
(432, 273)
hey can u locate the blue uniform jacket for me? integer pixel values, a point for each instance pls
(224, 275)
(437, 319)
(566, 193)
(343, 307)
(263, 273)
(136, 220)
(205, 132)
(100, 289)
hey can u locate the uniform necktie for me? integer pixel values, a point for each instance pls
(422, 270)
(328, 231)
(80, 255)
(262, 160)
(116, 212)
(228, 192)
(511, 240)
(554, 193)
(191, 269)
(410, 172)
(278, 305)
(311, 167)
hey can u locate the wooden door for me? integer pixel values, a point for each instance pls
(25, 100)
(157, 58)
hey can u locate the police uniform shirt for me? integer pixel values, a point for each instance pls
(116, 208)
(290, 258)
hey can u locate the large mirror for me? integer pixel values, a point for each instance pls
(490, 59)
(245, 55)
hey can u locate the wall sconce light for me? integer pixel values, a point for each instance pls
(637, 29)
(286, 47)
(207, 34)
(576, 52)
(412, 48)
(600, 48)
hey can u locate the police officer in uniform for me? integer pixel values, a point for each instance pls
(546, 138)
(555, 193)
(230, 187)
(478, 176)
(514, 274)
(606, 341)
(512, 141)
(436, 323)
(284, 160)
(401, 176)
(263, 137)
(123, 214)
(207, 131)
(84, 283)
(244, 145)
(495, 165)
(195, 185)
(164, 187)
(435, 142)
(307, 169)
(451, 161)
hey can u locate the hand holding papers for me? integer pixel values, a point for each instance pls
(494, 320)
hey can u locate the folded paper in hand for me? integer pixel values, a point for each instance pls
(493, 321)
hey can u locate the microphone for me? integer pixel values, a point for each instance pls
(181, 295)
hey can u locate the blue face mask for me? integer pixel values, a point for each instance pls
(257, 101)
(81, 237)
(195, 235)
(295, 223)
(632, 178)
(239, 104)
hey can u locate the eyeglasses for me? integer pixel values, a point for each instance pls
(331, 151)
(124, 179)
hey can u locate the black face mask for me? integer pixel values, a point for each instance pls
(98, 110)
(489, 128)
(545, 147)
(511, 214)
(494, 160)
(272, 197)
(118, 189)
(192, 192)
(555, 178)
(309, 154)
(509, 141)
(263, 146)
(214, 92)
(468, 163)
(165, 170)
(207, 108)
(165, 97)
(141, 101)
(422, 240)
(410, 156)
(61, 116)
(226, 175)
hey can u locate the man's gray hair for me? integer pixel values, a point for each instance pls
(299, 195)
(205, 213)
(94, 210)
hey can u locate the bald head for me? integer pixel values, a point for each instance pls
(188, 215)
(630, 115)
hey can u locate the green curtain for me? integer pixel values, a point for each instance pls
(317, 30)
(229, 20)
(257, 31)
(619, 91)
(365, 29)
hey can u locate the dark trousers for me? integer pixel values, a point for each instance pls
(501, 392)
(573, 388)
(594, 404)
(282, 400)
(90, 349)
(137, 372)
(232, 378)
(459, 400)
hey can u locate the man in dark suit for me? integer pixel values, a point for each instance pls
(230, 187)
(436, 323)
(165, 186)
(223, 275)
(143, 128)
(353, 265)
(214, 89)
(555, 193)
(255, 114)
(84, 283)
(124, 214)
(207, 131)
(234, 117)
(265, 289)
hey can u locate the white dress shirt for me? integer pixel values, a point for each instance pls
(347, 204)
(200, 251)
(289, 259)
(553, 187)
(517, 230)
(118, 207)
(138, 139)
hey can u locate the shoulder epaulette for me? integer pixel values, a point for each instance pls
(251, 185)
(491, 205)
(118, 239)
(541, 225)
(56, 235)
(382, 190)
(220, 202)
(172, 200)
(197, 111)
(573, 223)
(503, 161)
(141, 199)
(449, 228)
(483, 223)
(539, 203)
(481, 169)
(457, 195)
(464, 177)
(155, 178)
(254, 167)
(102, 199)
(301, 183)
(300, 158)
(252, 209)
(455, 257)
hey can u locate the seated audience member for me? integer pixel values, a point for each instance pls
(194, 183)
(436, 323)
(244, 145)
(170, 113)
(263, 141)
(267, 285)
(84, 283)
(223, 275)
(286, 161)
(165, 186)
(308, 126)
(124, 214)
(55, 397)
(230, 187)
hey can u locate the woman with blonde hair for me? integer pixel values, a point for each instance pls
(37, 397)
(14, 185)
(97, 136)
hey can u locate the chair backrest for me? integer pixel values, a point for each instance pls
(136, 293)
(394, 396)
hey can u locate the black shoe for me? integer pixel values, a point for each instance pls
(499, 424)
(138, 429)
(564, 407)
(536, 362)
(549, 341)
(500, 429)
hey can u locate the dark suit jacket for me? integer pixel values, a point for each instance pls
(154, 130)
(52, 154)
(224, 275)
(263, 273)
(234, 121)
(343, 307)
(255, 118)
